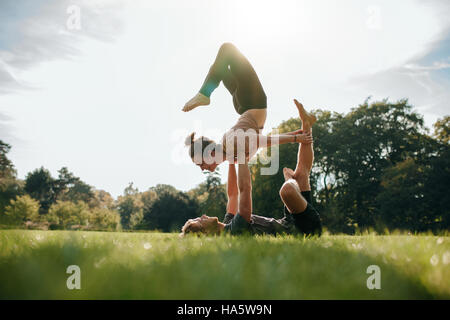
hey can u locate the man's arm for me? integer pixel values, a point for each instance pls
(245, 192)
(232, 190)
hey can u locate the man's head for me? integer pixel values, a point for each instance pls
(203, 224)
(197, 152)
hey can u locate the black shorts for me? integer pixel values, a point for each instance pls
(308, 222)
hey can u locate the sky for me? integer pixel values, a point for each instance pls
(98, 86)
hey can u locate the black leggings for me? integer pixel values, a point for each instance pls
(237, 74)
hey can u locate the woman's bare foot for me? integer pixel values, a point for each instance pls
(198, 100)
(288, 174)
(304, 115)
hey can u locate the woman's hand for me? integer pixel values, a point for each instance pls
(304, 138)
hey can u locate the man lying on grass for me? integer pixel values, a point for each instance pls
(299, 214)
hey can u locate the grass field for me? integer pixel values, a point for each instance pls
(162, 266)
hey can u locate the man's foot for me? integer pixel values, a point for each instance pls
(304, 115)
(198, 100)
(288, 174)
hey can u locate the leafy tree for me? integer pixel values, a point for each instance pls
(102, 199)
(65, 180)
(70, 188)
(39, 184)
(22, 209)
(10, 187)
(104, 219)
(6, 166)
(67, 214)
(442, 130)
(401, 201)
(437, 174)
(211, 195)
(170, 210)
(372, 138)
(80, 191)
(130, 207)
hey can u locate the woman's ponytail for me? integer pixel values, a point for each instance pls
(189, 139)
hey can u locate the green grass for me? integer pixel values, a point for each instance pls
(162, 266)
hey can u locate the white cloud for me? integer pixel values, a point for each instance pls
(437, 65)
(39, 34)
(418, 85)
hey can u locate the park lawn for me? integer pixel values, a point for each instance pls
(124, 265)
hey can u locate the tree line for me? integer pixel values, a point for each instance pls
(376, 167)
(41, 201)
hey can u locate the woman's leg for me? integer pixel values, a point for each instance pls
(298, 181)
(219, 71)
(229, 81)
(235, 71)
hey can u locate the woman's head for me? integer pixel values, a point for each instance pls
(203, 224)
(202, 152)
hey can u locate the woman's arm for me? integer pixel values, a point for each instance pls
(278, 139)
(245, 192)
(299, 131)
(232, 190)
(247, 144)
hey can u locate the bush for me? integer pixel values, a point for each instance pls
(22, 209)
(104, 219)
(65, 214)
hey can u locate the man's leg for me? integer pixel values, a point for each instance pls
(305, 156)
(298, 181)
(291, 196)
